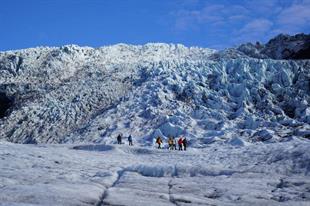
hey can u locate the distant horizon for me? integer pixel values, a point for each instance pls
(214, 24)
(51, 46)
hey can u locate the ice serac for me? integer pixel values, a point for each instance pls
(82, 94)
(58, 90)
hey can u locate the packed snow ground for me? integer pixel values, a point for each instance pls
(219, 174)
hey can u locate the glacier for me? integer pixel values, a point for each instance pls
(245, 112)
(80, 94)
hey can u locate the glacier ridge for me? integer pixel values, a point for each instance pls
(73, 94)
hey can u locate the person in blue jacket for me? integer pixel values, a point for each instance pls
(130, 140)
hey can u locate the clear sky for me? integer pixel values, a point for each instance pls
(204, 23)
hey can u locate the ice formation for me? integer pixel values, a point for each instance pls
(80, 94)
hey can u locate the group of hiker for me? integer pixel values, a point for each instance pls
(172, 142)
(120, 137)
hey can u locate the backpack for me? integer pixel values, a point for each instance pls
(170, 141)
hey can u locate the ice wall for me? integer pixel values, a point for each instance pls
(82, 94)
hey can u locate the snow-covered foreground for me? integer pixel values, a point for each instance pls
(219, 174)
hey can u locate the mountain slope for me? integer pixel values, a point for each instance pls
(280, 47)
(81, 94)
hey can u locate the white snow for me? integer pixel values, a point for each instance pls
(220, 174)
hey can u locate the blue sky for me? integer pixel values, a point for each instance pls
(205, 23)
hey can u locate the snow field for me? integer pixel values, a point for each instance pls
(122, 175)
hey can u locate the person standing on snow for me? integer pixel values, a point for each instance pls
(174, 143)
(180, 143)
(170, 143)
(184, 143)
(159, 142)
(119, 138)
(130, 140)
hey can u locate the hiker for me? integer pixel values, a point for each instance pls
(170, 143)
(180, 143)
(159, 142)
(174, 143)
(184, 143)
(119, 138)
(130, 140)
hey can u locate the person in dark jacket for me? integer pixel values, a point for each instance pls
(184, 143)
(119, 138)
(130, 140)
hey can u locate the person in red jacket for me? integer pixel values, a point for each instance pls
(180, 143)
